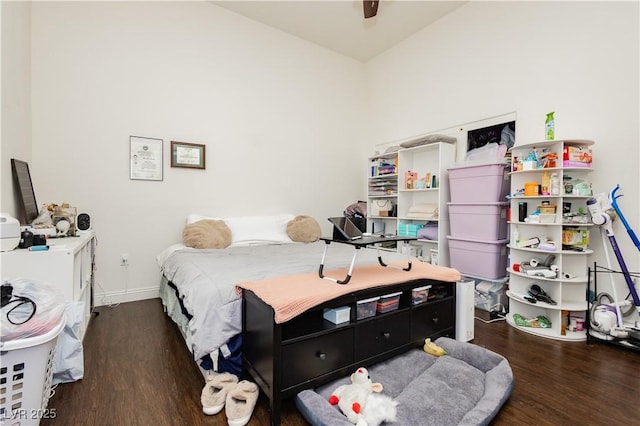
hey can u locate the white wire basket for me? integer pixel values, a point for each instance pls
(26, 370)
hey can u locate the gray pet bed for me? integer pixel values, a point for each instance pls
(466, 387)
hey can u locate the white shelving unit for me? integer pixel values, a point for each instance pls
(68, 265)
(382, 187)
(430, 159)
(568, 289)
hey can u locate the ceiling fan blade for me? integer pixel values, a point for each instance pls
(370, 8)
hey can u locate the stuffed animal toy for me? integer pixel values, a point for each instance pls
(352, 398)
(433, 349)
(379, 409)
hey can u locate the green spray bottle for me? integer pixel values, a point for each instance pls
(549, 127)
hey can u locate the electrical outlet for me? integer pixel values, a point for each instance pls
(124, 259)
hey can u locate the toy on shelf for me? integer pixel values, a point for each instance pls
(410, 179)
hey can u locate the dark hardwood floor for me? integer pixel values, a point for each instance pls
(139, 372)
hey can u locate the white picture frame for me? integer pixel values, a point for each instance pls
(145, 158)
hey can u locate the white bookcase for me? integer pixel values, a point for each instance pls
(382, 190)
(568, 288)
(68, 265)
(425, 160)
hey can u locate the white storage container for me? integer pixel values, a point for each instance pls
(366, 308)
(9, 232)
(490, 294)
(388, 303)
(338, 315)
(479, 221)
(25, 376)
(420, 294)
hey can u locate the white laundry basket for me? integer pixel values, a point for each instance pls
(26, 369)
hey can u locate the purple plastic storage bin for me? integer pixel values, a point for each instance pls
(478, 221)
(485, 259)
(479, 183)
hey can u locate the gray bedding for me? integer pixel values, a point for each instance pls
(206, 280)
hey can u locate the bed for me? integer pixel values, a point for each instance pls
(198, 286)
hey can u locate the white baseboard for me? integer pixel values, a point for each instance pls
(114, 297)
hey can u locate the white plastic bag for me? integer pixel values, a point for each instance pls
(44, 217)
(69, 358)
(34, 308)
(487, 154)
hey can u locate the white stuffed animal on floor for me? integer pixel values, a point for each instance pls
(379, 409)
(352, 398)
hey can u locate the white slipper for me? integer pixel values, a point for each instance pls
(214, 393)
(241, 400)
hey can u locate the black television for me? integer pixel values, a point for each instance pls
(27, 205)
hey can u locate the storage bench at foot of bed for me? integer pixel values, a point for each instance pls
(308, 350)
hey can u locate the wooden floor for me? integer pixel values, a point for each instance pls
(139, 372)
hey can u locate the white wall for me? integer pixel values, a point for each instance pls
(280, 118)
(16, 95)
(579, 59)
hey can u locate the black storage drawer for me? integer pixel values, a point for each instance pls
(383, 334)
(311, 358)
(431, 319)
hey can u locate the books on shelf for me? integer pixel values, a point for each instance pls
(382, 167)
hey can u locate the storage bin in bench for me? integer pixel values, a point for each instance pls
(468, 386)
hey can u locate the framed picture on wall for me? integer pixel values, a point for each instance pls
(145, 158)
(188, 155)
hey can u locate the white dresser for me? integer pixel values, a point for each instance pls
(68, 265)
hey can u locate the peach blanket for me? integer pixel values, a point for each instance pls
(291, 295)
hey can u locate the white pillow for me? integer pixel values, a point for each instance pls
(193, 218)
(254, 230)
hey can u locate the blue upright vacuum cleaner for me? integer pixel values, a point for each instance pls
(614, 203)
(606, 319)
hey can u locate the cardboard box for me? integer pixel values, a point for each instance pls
(547, 208)
(575, 237)
(576, 156)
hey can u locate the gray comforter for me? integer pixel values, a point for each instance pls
(206, 280)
